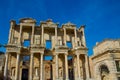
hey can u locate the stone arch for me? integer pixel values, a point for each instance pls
(102, 71)
(98, 72)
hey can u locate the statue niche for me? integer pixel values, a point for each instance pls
(104, 72)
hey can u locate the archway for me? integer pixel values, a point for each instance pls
(104, 72)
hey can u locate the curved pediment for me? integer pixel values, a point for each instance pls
(27, 20)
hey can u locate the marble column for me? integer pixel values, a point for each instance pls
(75, 32)
(78, 65)
(10, 34)
(12, 25)
(31, 66)
(42, 35)
(32, 36)
(17, 67)
(64, 36)
(83, 39)
(6, 66)
(20, 34)
(41, 68)
(56, 57)
(66, 67)
(87, 68)
(56, 40)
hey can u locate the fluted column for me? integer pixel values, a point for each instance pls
(17, 67)
(32, 36)
(56, 57)
(66, 67)
(64, 36)
(31, 66)
(87, 68)
(41, 68)
(42, 35)
(6, 67)
(78, 65)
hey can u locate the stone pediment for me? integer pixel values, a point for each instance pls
(27, 20)
(69, 24)
(49, 23)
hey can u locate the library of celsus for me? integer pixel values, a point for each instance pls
(50, 52)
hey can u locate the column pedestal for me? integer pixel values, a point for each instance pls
(79, 79)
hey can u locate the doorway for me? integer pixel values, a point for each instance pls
(24, 74)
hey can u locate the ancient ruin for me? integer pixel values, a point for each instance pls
(52, 52)
(105, 62)
(67, 49)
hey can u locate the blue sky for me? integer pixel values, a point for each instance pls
(101, 17)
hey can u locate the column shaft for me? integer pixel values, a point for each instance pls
(56, 57)
(10, 35)
(17, 67)
(31, 66)
(42, 35)
(78, 65)
(32, 37)
(83, 39)
(64, 36)
(66, 66)
(75, 32)
(6, 67)
(41, 68)
(87, 67)
(20, 34)
(56, 36)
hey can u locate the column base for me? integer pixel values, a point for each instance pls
(57, 79)
(67, 79)
(61, 79)
(89, 79)
(79, 79)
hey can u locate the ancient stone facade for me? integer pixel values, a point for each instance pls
(50, 52)
(105, 62)
(28, 48)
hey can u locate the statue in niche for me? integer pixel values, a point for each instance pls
(105, 77)
(60, 72)
(104, 72)
(81, 71)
